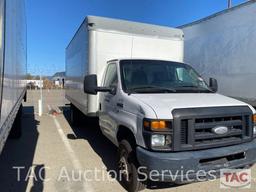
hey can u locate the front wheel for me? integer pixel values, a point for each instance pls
(127, 166)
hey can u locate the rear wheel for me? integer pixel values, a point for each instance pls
(127, 166)
(25, 97)
(16, 130)
(75, 115)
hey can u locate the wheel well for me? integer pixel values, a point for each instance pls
(127, 134)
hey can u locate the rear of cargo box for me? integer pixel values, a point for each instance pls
(223, 46)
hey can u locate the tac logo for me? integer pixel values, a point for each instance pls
(235, 178)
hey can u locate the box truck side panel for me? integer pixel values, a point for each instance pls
(223, 46)
(77, 68)
(2, 42)
(13, 68)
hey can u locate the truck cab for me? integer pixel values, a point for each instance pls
(162, 115)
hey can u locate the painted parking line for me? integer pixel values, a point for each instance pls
(57, 108)
(74, 159)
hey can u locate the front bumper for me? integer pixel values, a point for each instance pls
(185, 166)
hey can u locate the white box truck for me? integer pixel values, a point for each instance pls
(13, 67)
(223, 46)
(157, 110)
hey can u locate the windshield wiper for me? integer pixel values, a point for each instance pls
(150, 89)
(197, 87)
(189, 86)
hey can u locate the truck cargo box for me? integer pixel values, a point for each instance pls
(99, 40)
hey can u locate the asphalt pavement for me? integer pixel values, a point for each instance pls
(54, 156)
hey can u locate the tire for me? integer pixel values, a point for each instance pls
(127, 166)
(25, 97)
(75, 115)
(16, 130)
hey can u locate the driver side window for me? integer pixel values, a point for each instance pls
(111, 76)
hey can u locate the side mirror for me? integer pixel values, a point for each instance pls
(90, 84)
(213, 83)
(91, 87)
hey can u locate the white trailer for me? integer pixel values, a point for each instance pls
(13, 67)
(100, 40)
(223, 46)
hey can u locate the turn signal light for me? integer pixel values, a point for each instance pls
(254, 118)
(156, 125)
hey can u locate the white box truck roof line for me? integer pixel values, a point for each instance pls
(116, 25)
(218, 13)
(128, 27)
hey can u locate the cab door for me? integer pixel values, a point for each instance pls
(108, 101)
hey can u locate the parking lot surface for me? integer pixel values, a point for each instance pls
(54, 156)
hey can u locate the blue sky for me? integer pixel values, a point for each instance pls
(52, 23)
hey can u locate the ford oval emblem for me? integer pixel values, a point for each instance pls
(220, 130)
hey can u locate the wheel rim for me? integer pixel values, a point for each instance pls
(124, 168)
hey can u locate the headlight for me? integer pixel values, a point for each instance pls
(157, 140)
(254, 130)
(161, 140)
(158, 134)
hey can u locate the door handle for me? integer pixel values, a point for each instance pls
(107, 100)
(121, 105)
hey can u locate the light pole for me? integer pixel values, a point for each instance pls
(40, 101)
(229, 3)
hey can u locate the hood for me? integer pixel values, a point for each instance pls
(163, 104)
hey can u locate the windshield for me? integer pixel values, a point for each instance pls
(151, 76)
